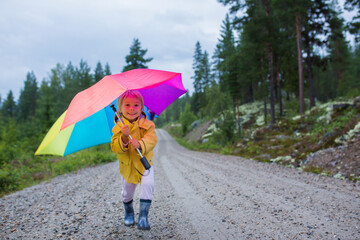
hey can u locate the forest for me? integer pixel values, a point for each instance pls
(273, 51)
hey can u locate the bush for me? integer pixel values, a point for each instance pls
(226, 125)
(86, 158)
(9, 179)
(186, 118)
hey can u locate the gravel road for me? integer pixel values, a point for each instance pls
(197, 196)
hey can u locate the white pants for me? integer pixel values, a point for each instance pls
(146, 187)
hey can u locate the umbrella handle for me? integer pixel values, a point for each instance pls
(143, 159)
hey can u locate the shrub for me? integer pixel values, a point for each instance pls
(9, 179)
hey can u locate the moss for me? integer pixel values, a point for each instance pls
(313, 169)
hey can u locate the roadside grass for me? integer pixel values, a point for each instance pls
(30, 170)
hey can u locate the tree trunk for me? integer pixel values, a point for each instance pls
(278, 80)
(271, 64)
(265, 111)
(238, 115)
(310, 74)
(300, 63)
(271, 72)
(251, 93)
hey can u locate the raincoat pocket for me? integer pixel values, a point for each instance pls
(124, 161)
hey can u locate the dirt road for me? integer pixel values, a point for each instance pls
(197, 196)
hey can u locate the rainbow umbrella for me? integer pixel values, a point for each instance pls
(88, 121)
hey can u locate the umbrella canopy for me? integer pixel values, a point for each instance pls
(88, 121)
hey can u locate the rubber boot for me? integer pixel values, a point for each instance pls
(143, 223)
(129, 214)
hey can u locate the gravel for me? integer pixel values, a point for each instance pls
(197, 196)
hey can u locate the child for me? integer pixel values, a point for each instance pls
(130, 106)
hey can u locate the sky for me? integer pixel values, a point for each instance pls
(36, 35)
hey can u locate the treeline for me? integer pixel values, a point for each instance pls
(25, 121)
(273, 51)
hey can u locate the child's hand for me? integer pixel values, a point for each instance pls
(125, 131)
(135, 143)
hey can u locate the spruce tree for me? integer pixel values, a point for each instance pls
(45, 111)
(28, 97)
(198, 68)
(71, 88)
(57, 89)
(339, 55)
(198, 79)
(314, 32)
(84, 77)
(136, 58)
(225, 64)
(8, 108)
(107, 70)
(99, 72)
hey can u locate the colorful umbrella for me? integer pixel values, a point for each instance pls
(88, 121)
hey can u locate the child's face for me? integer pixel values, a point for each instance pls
(131, 108)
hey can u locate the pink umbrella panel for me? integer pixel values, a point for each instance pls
(159, 89)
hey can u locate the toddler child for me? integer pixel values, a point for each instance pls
(130, 106)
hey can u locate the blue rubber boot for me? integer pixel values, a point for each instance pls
(129, 214)
(143, 223)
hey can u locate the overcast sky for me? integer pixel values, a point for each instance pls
(36, 35)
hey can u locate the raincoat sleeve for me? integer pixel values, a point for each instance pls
(117, 145)
(149, 139)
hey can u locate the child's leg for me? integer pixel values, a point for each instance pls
(147, 185)
(128, 190)
(127, 194)
(146, 191)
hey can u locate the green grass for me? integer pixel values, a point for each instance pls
(30, 170)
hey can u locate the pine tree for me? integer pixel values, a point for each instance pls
(225, 63)
(300, 60)
(28, 97)
(8, 108)
(107, 70)
(56, 87)
(198, 69)
(339, 66)
(45, 111)
(207, 76)
(270, 51)
(99, 72)
(71, 87)
(201, 78)
(136, 58)
(83, 76)
(314, 31)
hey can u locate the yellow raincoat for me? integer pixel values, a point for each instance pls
(129, 159)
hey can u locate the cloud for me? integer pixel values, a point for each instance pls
(36, 35)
